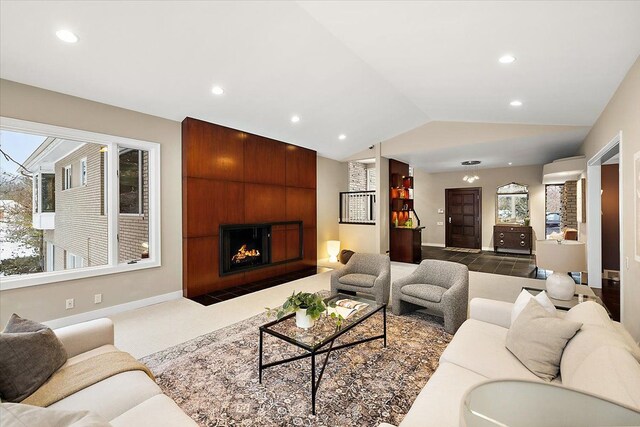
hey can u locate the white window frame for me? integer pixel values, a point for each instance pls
(83, 171)
(67, 177)
(73, 261)
(112, 142)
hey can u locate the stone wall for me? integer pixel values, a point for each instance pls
(569, 207)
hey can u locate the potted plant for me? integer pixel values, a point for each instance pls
(307, 307)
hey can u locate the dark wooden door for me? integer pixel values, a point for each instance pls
(463, 216)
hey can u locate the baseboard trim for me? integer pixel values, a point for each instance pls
(110, 311)
(434, 245)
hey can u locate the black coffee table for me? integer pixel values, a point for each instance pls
(320, 338)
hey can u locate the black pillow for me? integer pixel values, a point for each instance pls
(29, 354)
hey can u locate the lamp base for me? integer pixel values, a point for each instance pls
(560, 286)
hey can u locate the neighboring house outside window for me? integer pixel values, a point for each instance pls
(67, 177)
(81, 220)
(83, 171)
(50, 257)
(73, 261)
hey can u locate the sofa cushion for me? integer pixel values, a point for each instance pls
(480, 347)
(586, 341)
(590, 313)
(426, 292)
(610, 372)
(19, 415)
(439, 402)
(158, 411)
(113, 396)
(29, 354)
(537, 338)
(358, 279)
(523, 300)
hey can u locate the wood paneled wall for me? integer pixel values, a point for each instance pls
(234, 177)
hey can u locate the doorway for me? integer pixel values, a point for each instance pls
(463, 211)
(603, 219)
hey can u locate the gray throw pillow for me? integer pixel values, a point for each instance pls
(538, 338)
(29, 354)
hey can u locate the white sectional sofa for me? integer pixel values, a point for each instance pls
(599, 360)
(127, 399)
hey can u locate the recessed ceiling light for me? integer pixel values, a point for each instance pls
(217, 90)
(507, 59)
(342, 136)
(510, 163)
(516, 103)
(295, 119)
(67, 36)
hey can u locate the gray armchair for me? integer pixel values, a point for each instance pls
(442, 287)
(366, 273)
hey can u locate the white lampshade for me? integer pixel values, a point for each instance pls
(564, 257)
(333, 248)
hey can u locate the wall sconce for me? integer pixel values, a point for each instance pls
(333, 247)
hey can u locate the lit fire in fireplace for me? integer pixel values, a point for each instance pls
(244, 254)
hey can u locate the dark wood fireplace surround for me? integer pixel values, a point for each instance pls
(230, 177)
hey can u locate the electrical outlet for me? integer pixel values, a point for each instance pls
(69, 304)
(440, 223)
(97, 298)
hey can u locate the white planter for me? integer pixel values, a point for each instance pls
(303, 320)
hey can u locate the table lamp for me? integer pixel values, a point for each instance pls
(561, 257)
(333, 247)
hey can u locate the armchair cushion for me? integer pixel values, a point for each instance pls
(423, 291)
(358, 279)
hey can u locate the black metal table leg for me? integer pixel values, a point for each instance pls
(384, 325)
(313, 383)
(260, 360)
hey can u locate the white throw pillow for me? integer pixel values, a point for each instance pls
(523, 300)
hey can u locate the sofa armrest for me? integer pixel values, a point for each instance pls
(82, 337)
(491, 311)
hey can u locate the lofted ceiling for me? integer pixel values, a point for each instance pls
(369, 70)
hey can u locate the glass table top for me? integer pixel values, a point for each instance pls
(325, 328)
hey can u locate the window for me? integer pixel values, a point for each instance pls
(66, 173)
(86, 235)
(73, 261)
(130, 181)
(51, 257)
(48, 191)
(83, 171)
(512, 204)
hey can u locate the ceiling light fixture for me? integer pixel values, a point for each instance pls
(66, 36)
(510, 163)
(516, 103)
(217, 90)
(295, 119)
(472, 167)
(342, 136)
(507, 59)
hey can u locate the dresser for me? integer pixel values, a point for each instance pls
(510, 237)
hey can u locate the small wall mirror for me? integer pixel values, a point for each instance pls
(512, 204)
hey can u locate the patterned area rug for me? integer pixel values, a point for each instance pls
(214, 378)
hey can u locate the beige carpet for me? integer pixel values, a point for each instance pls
(214, 378)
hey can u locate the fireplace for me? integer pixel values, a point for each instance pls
(244, 247)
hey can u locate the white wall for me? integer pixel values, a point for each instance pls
(332, 178)
(359, 238)
(429, 197)
(47, 302)
(623, 114)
